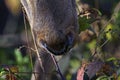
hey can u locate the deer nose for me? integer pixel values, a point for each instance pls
(62, 47)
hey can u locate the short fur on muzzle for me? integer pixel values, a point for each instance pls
(54, 23)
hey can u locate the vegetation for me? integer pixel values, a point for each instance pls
(96, 56)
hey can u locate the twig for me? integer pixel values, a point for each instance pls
(104, 43)
(27, 38)
(34, 44)
(102, 30)
(55, 62)
(57, 66)
(23, 46)
(36, 48)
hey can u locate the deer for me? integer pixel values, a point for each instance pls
(55, 29)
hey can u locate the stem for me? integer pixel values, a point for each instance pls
(57, 66)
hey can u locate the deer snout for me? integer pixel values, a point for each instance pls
(58, 43)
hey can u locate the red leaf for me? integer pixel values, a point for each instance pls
(80, 73)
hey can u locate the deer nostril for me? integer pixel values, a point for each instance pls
(70, 39)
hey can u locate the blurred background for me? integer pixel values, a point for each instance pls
(11, 29)
(13, 36)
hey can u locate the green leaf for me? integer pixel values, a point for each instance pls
(83, 23)
(119, 77)
(99, 13)
(111, 59)
(18, 56)
(104, 77)
(92, 44)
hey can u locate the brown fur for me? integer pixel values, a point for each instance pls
(52, 20)
(54, 23)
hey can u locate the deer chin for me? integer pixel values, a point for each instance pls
(65, 48)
